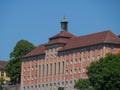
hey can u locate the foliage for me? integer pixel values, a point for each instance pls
(105, 74)
(83, 84)
(13, 67)
(1, 83)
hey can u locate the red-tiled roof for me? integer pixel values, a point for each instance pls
(62, 37)
(3, 64)
(62, 34)
(38, 50)
(59, 40)
(92, 39)
(75, 42)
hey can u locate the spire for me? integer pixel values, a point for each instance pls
(64, 24)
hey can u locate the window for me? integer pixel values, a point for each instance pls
(83, 69)
(58, 67)
(98, 57)
(63, 67)
(32, 67)
(67, 62)
(36, 67)
(79, 70)
(83, 59)
(93, 57)
(54, 68)
(32, 77)
(24, 78)
(43, 70)
(66, 72)
(51, 69)
(70, 71)
(112, 47)
(99, 52)
(24, 88)
(35, 77)
(50, 84)
(39, 70)
(66, 82)
(75, 61)
(28, 77)
(74, 71)
(80, 60)
(71, 61)
(47, 69)
(88, 58)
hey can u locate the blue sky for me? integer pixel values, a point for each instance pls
(37, 20)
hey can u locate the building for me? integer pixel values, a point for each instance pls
(57, 64)
(2, 71)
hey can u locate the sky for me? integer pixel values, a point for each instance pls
(37, 20)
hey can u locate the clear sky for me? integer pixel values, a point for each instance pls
(37, 20)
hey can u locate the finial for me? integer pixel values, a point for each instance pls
(64, 19)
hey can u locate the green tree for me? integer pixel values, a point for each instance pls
(105, 73)
(83, 84)
(1, 83)
(13, 67)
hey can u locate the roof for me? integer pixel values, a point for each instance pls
(72, 41)
(62, 34)
(92, 39)
(37, 51)
(62, 37)
(3, 64)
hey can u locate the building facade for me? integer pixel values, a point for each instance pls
(57, 64)
(3, 73)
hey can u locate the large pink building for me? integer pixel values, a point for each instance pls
(57, 64)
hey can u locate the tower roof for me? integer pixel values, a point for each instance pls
(62, 37)
(62, 34)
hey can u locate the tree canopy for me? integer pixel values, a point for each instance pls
(103, 74)
(13, 67)
(83, 84)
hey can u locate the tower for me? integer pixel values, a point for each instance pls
(64, 24)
